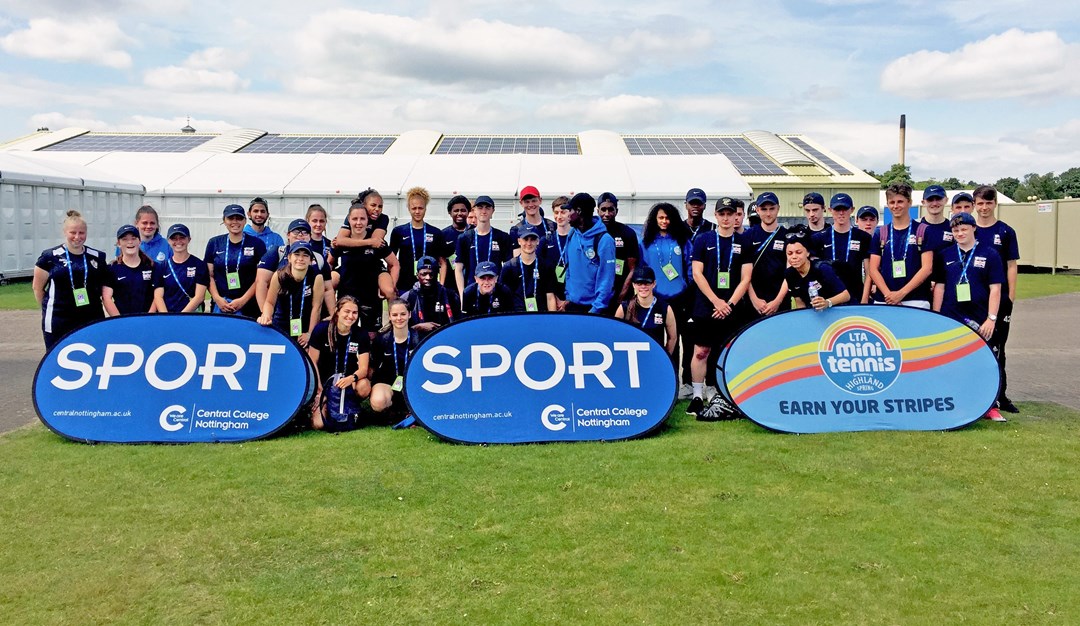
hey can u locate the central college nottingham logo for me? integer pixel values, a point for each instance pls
(860, 356)
(554, 417)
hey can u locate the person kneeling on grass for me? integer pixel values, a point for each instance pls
(341, 352)
(391, 353)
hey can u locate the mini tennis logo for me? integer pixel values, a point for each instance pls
(860, 356)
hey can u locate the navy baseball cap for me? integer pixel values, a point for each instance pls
(179, 229)
(607, 196)
(961, 219)
(934, 191)
(963, 196)
(233, 209)
(299, 224)
(581, 201)
(427, 263)
(526, 230)
(812, 198)
(841, 201)
(484, 200)
(302, 246)
(867, 210)
(485, 268)
(768, 197)
(696, 195)
(127, 229)
(643, 274)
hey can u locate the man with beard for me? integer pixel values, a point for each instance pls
(627, 252)
(257, 226)
(432, 304)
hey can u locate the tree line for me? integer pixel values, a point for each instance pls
(1049, 186)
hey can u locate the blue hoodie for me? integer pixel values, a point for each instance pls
(267, 236)
(590, 275)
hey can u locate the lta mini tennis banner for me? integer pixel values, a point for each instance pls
(535, 377)
(851, 368)
(172, 378)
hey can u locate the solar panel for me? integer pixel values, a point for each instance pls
(105, 142)
(319, 144)
(820, 156)
(535, 144)
(746, 158)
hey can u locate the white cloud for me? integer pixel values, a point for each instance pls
(1012, 64)
(205, 69)
(55, 121)
(616, 113)
(95, 40)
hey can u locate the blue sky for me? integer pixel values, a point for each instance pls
(990, 87)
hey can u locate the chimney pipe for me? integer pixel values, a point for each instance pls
(903, 137)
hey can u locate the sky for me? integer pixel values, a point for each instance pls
(990, 88)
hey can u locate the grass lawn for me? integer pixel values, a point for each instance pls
(704, 523)
(17, 296)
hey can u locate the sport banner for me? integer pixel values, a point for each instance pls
(850, 368)
(172, 378)
(538, 377)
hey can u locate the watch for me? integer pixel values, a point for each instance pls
(992, 318)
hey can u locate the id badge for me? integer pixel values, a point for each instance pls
(399, 382)
(723, 280)
(81, 297)
(899, 269)
(670, 271)
(560, 273)
(232, 280)
(295, 328)
(451, 259)
(530, 305)
(619, 265)
(415, 267)
(963, 292)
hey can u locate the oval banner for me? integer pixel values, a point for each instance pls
(172, 378)
(852, 368)
(538, 377)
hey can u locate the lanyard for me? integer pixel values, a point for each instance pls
(648, 314)
(964, 264)
(344, 352)
(562, 245)
(404, 358)
(847, 246)
(476, 246)
(660, 249)
(730, 256)
(765, 243)
(172, 270)
(239, 253)
(536, 277)
(71, 275)
(303, 287)
(892, 243)
(423, 238)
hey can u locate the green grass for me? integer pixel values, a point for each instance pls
(704, 523)
(1039, 285)
(17, 297)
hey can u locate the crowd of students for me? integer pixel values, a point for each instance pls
(690, 283)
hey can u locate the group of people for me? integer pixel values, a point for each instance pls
(686, 282)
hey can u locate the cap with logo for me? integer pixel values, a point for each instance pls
(179, 229)
(696, 195)
(961, 219)
(127, 229)
(868, 211)
(526, 230)
(728, 204)
(299, 224)
(528, 191)
(484, 200)
(934, 191)
(485, 268)
(963, 196)
(643, 274)
(813, 198)
(841, 201)
(233, 210)
(427, 263)
(767, 197)
(302, 246)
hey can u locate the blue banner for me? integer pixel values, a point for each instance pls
(172, 378)
(852, 368)
(538, 377)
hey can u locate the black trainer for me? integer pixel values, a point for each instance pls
(695, 407)
(1005, 404)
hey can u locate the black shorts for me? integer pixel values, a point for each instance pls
(711, 332)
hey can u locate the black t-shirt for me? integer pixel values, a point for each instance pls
(500, 300)
(410, 244)
(719, 255)
(531, 281)
(901, 245)
(767, 250)
(553, 252)
(438, 304)
(626, 247)
(473, 248)
(846, 251)
(652, 319)
(341, 357)
(180, 280)
(359, 274)
(294, 301)
(68, 273)
(133, 287)
(389, 359)
(243, 258)
(820, 276)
